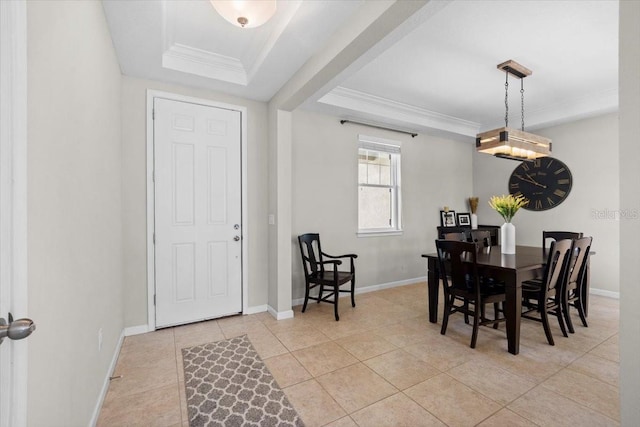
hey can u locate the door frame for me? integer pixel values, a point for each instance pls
(151, 278)
(13, 206)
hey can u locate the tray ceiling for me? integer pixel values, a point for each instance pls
(440, 76)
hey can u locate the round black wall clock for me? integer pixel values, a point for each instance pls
(546, 182)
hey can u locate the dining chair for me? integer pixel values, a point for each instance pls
(463, 284)
(548, 291)
(481, 238)
(326, 279)
(558, 235)
(459, 237)
(575, 280)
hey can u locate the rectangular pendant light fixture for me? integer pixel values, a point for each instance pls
(509, 143)
(513, 144)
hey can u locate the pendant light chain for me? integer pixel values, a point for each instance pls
(522, 101)
(506, 100)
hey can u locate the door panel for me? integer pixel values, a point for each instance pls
(183, 186)
(197, 162)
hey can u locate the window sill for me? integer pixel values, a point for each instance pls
(363, 233)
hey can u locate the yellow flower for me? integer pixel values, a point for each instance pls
(507, 206)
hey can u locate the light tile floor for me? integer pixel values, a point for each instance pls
(384, 364)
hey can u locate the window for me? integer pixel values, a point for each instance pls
(378, 186)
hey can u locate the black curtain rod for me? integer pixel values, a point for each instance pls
(413, 135)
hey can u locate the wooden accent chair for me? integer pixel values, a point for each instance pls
(326, 279)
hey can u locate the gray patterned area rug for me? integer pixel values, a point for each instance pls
(229, 385)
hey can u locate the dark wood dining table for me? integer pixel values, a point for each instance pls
(512, 269)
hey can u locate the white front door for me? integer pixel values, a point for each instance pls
(198, 212)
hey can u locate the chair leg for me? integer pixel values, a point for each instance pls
(466, 316)
(353, 288)
(581, 312)
(336, 290)
(320, 294)
(306, 297)
(559, 315)
(476, 324)
(448, 302)
(496, 310)
(545, 323)
(567, 315)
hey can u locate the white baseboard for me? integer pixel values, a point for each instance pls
(107, 380)
(388, 285)
(256, 309)
(372, 288)
(143, 329)
(280, 315)
(136, 330)
(602, 292)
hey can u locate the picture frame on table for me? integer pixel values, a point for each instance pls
(464, 219)
(448, 218)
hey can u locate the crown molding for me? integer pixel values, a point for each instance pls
(398, 112)
(188, 59)
(203, 63)
(415, 117)
(200, 62)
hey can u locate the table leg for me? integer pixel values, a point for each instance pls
(433, 285)
(512, 312)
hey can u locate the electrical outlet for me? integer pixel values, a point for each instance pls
(100, 339)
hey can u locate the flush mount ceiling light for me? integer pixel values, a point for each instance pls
(245, 13)
(511, 143)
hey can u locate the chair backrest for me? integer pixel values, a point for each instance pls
(458, 261)
(458, 237)
(556, 268)
(311, 253)
(481, 238)
(578, 260)
(558, 235)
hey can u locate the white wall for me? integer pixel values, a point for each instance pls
(629, 71)
(325, 196)
(134, 192)
(589, 148)
(74, 209)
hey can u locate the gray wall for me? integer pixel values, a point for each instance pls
(629, 199)
(589, 148)
(325, 196)
(74, 209)
(134, 192)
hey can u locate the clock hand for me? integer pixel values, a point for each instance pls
(533, 181)
(530, 180)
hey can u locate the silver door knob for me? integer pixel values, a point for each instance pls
(236, 238)
(16, 329)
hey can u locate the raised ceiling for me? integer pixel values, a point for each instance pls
(439, 76)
